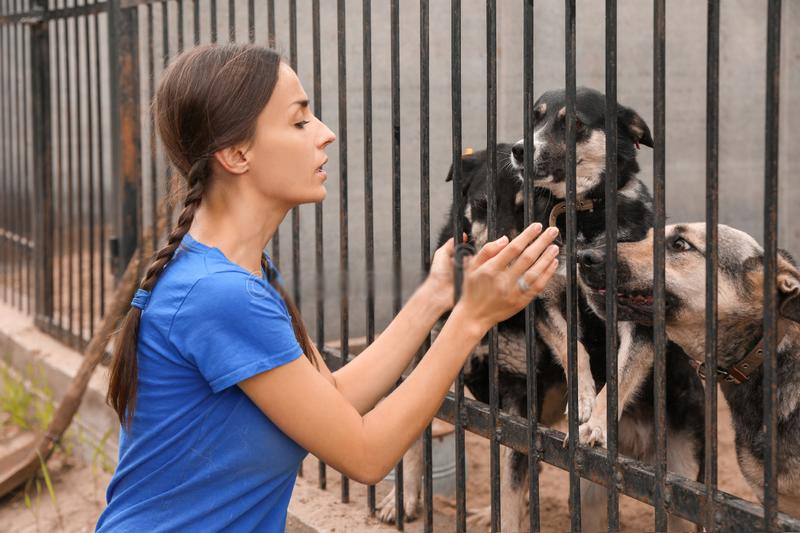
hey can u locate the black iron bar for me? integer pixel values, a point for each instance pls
(397, 268)
(572, 293)
(369, 240)
(276, 239)
(531, 360)
(491, 195)
(455, 73)
(78, 141)
(5, 106)
(213, 8)
(425, 227)
(196, 21)
(251, 21)
(771, 169)
(101, 181)
(232, 20)
(712, 260)
(611, 261)
(16, 271)
(90, 96)
(344, 285)
(318, 220)
(296, 210)
(659, 334)
(70, 136)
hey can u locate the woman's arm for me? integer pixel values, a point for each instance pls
(308, 408)
(368, 377)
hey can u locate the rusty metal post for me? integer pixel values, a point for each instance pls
(125, 131)
(42, 167)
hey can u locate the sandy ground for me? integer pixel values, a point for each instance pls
(80, 495)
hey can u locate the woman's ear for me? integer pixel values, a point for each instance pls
(232, 159)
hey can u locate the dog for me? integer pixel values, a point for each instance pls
(739, 332)
(635, 218)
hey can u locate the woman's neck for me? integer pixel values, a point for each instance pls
(240, 225)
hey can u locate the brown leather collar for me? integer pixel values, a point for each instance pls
(561, 207)
(741, 371)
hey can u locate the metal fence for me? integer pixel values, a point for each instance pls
(82, 175)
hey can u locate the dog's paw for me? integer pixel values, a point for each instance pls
(386, 509)
(592, 433)
(480, 519)
(586, 399)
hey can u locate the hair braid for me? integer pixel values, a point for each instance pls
(122, 389)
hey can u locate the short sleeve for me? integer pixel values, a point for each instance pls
(233, 326)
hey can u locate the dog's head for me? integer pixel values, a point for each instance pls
(474, 177)
(550, 145)
(740, 280)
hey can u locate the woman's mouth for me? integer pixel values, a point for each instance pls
(321, 171)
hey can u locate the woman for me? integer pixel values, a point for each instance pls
(219, 390)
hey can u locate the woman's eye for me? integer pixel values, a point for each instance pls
(680, 245)
(301, 124)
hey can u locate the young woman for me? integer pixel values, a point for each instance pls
(219, 390)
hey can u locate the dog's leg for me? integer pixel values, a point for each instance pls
(634, 361)
(513, 484)
(594, 507)
(553, 331)
(682, 459)
(412, 482)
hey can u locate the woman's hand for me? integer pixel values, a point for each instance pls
(440, 283)
(504, 277)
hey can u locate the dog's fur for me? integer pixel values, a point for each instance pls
(740, 315)
(685, 423)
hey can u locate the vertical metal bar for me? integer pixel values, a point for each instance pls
(659, 333)
(369, 253)
(276, 239)
(572, 293)
(491, 195)
(455, 73)
(213, 9)
(344, 272)
(196, 21)
(271, 26)
(4, 75)
(16, 161)
(125, 132)
(90, 97)
(79, 174)
(180, 26)
(165, 53)
(58, 25)
(318, 213)
(611, 263)
(771, 168)
(42, 166)
(25, 192)
(712, 260)
(296, 210)
(100, 150)
(153, 152)
(70, 169)
(425, 227)
(251, 21)
(232, 20)
(396, 214)
(531, 358)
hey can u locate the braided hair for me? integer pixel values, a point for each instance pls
(208, 99)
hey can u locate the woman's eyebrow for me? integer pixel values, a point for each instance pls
(302, 103)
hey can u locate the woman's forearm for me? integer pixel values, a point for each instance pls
(393, 425)
(368, 377)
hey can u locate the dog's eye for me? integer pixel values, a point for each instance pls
(679, 244)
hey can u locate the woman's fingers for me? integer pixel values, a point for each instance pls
(489, 250)
(517, 246)
(541, 247)
(537, 276)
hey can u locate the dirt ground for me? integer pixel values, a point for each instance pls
(79, 490)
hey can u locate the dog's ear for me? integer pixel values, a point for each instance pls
(788, 283)
(634, 126)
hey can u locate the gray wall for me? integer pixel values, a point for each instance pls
(742, 82)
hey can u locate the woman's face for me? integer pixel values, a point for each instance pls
(288, 151)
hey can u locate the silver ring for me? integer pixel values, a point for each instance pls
(522, 284)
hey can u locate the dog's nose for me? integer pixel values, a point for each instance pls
(518, 151)
(590, 258)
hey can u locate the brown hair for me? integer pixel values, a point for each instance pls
(208, 99)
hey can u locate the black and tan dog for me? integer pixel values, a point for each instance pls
(635, 218)
(739, 333)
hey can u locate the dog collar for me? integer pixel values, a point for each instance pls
(561, 207)
(741, 371)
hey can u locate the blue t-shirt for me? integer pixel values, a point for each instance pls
(200, 456)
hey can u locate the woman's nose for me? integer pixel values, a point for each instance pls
(327, 135)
